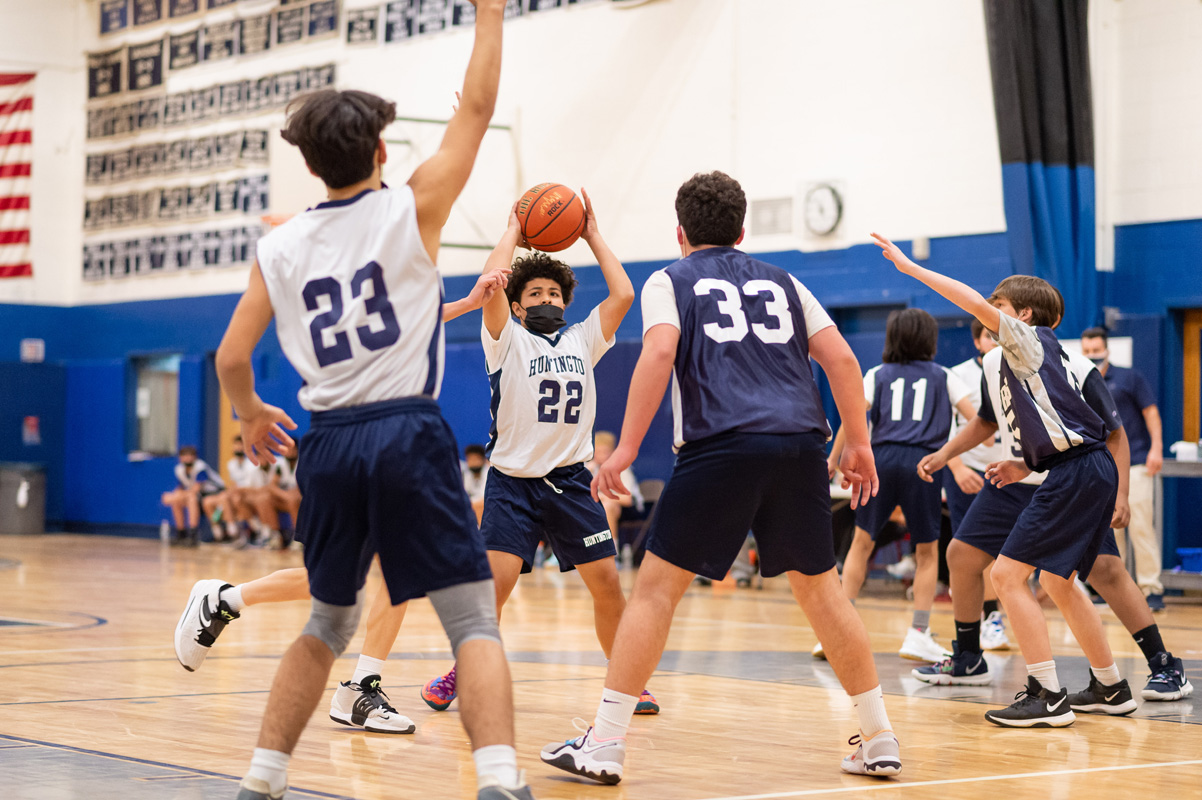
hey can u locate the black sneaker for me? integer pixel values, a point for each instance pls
(1168, 681)
(1035, 707)
(1114, 700)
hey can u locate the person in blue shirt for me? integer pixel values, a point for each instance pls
(1067, 521)
(1136, 403)
(910, 404)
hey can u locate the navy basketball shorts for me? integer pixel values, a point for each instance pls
(921, 502)
(384, 479)
(1067, 523)
(958, 501)
(559, 507)
(993, 514)
(721, 487)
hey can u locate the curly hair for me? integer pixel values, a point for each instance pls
(540, 265)
(710, 207)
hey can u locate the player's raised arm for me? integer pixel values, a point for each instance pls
(496, 308)
(262, 425)
(621, 291)
(439, 180)
(959, 293)
(487, 286)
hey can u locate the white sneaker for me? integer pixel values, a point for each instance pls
(818, 652)
(921, 646)
(879, 755)
(599, 760)
(903, 569)
(255, 789)
(203, 620)
(993, 632)
(364, 705)
(491, 789)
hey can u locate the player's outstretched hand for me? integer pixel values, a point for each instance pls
(968, 480)
(263, 434)
(859, 473)
(1004, 473)
(488, 285)
(608, 480)
(1122, 514)
(591, 231)
(930, 465)
(892, 252)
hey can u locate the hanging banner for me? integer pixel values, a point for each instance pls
(205, 103)
(233, 99)
(182, 8)
(221, 40)
(185, 50)
(97, 170)
(148, 160)
(255, 35)
(433, 16)
(464, 13)
(399, 20)
(114, 16)
(323, 18)
(260, 94)
(147, 12)
(150, 113)
(176, 110)
(287, 86)
(176, 157)
(146, 66)
(362, 25)
(104, 73)
(125, 119)
(318, 78)
(254, 149)
(227, 147)
(289, 25)
(213, 4)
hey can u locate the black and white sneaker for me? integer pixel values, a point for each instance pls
(491, 789)
(1035, 707)
(203, 620)
(255, 789)
(600, 760)
(1168, 681)
(1114, 700)
(364, 705)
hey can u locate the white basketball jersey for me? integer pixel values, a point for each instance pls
(544, 401)
(1011, 450)
(981, 456)
(357, 300)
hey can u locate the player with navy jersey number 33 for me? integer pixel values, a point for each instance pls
(736, 336)
(357, 300)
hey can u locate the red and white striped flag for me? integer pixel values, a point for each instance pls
(16, 164)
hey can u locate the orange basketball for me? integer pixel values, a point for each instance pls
(552, 217)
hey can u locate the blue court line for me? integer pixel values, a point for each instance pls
(94, 622)
(199, 773)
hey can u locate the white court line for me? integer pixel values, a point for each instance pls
(896, 785)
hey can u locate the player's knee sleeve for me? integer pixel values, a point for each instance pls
(334, 625)
(467, 611)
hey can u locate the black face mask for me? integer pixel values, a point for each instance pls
(1098, 360)
(477, 470)
(545, 318)
(239, 454)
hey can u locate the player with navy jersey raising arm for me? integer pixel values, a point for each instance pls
(1069, 516)
(356, 296)
(736, 336)
(544, 401)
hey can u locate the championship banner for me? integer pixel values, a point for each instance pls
(233, 99)
(289, 25)
(147, 12)
(464, 13)
(16, 169)
(215, 4)
(323, 18)
(125, 119)
(184, 50)
(176, 110)
(145, 66)
(362, 25)
(114, 16)
(104, 73)
(221, 40)
(400, 18)
(433, 16)
(182, 8)
(150, 113)
(255, 35)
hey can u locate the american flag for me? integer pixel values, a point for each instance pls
(16, 159)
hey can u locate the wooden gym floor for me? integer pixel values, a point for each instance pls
(94, 705)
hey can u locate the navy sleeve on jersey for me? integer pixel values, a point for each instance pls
(1098, 398)
(1143, 392)
(985, 412)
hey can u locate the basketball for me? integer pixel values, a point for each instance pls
(552, 217)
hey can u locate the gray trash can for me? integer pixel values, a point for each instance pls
(22, 499)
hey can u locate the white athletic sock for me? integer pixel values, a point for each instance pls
(233, 598)
(614, 715)
(270, 766)
(870, 705)
(498, 761)
(1108, 676)
(1045, 673)
(367, 666)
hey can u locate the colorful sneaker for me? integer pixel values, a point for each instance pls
(818, 652)
(878, 755)
(962, 669)
(993, 632)
(1114, 700)
(255, 789)
(647, 704)
(203, 620)
(921, 646)
(600, 761)
(364, 705)
(440, 692)
(491, 789)
(1168, 682)
(1035, 707)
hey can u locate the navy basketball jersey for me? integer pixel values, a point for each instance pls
(912, 403)
(1041, 397)
(743, 362)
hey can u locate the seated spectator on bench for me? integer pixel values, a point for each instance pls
(239, 508)
(197, 486)
(475, 476)
(603, 447)
(280, 494)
